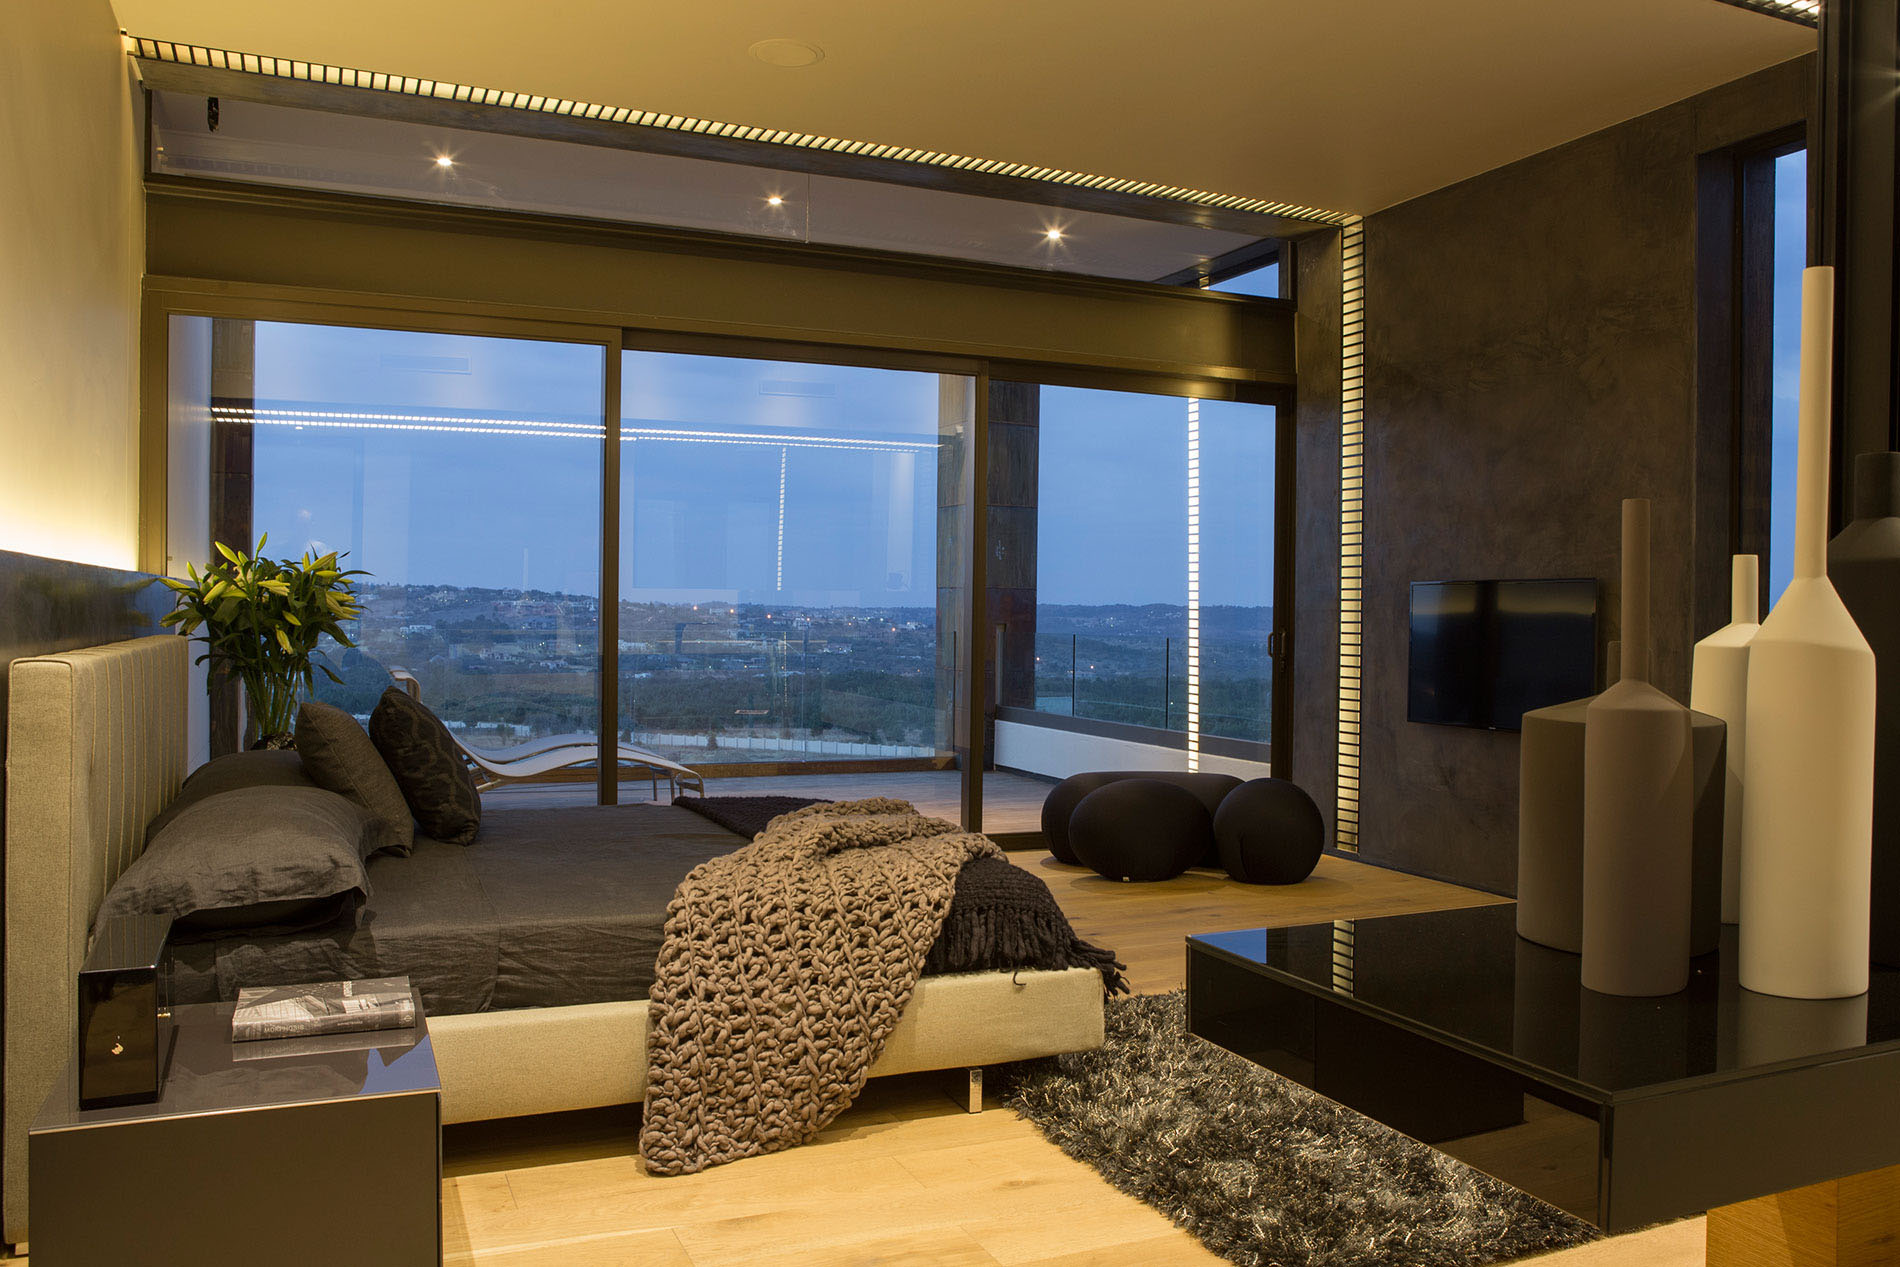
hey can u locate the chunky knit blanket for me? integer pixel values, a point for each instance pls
(785, 967)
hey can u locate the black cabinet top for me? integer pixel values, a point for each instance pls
(1465, 977)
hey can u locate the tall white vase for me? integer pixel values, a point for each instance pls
(1718, 686)
(1808, 774)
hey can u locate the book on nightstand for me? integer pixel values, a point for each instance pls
(324, 1007)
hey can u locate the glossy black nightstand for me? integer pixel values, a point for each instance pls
(287, 1151)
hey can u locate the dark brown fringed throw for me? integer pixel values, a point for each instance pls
(1004, 917)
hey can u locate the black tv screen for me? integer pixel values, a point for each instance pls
(1483, 653)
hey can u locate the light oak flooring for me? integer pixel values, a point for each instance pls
(906, 1176)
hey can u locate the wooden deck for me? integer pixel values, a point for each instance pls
(1011, 802)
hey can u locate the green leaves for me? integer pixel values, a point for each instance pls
(263, 619)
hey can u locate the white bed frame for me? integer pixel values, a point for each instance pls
(96, 747)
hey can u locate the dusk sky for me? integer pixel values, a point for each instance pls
(493, 507)
(1791, 229)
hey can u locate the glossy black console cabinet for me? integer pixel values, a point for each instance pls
(1440, 1025)
(287, 1151)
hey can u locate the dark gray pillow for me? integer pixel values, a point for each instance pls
(428, 766)
(268, 859)
(339, 756)
(266, 767)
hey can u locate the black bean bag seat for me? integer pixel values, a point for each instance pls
(1266, 831)
(1209, 789)
(1269, 831)
(1140, 829)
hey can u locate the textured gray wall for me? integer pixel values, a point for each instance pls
(1530, 362)
(1315, 684)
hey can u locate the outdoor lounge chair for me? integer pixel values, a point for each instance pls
(496, 766)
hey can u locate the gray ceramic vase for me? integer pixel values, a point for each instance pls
(1638, 811)
(1864, 564)
(1550, 827)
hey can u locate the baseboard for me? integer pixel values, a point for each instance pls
(1350, 856)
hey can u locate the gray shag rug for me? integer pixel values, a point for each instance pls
(1263, 1171)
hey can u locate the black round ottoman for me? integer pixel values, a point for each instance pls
(1066, 795)
(1140, 829)
(1269, 831)
(1060, 805)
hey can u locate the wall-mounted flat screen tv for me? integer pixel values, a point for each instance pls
(1483, 653)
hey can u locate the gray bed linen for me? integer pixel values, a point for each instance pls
(547, 907)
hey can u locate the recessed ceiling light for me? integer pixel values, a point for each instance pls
(789, 54)
(774, 201)
(1054, 235)
(443, 160)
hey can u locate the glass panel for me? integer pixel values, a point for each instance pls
(1791, 248)
(188, 506)
(1152, 533)
(463, 474)
(780, 561)
(1237, 552)
(1263, 281)
(1111, 596)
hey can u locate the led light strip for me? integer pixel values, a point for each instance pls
(346, 421)
(1193, 584)
(782, 455)
(1352, 525)
(376, 81)
(1803, 12)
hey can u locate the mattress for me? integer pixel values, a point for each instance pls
(549, 907)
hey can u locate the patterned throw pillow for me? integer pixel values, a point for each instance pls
(339, 757)
(428, 767)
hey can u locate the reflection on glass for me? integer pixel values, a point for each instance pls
(464, 475)
(779, 547)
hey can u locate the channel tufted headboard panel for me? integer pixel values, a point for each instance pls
(95, 748)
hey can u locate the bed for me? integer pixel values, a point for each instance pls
(96, 750)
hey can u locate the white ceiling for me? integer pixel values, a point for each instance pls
(1348, 105)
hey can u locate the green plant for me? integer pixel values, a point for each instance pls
(262, 619)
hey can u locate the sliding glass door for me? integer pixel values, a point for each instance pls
(1134, 607)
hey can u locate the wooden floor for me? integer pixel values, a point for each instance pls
(906, 1176)
(1011, 802)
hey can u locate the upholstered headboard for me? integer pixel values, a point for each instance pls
(95, 748)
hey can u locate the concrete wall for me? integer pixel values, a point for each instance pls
(71, 254)
(1531, 360)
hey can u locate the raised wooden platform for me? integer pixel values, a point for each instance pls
(1011, 802)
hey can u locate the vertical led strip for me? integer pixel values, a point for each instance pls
(1193, 584)
(1352, 523)
(781, 519)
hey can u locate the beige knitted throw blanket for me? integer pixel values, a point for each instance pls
(785, 967)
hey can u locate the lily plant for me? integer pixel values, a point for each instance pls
(262, 620)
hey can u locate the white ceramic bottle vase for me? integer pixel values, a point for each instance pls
(1718, 686)
(1638, 809)
(1808, 774)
